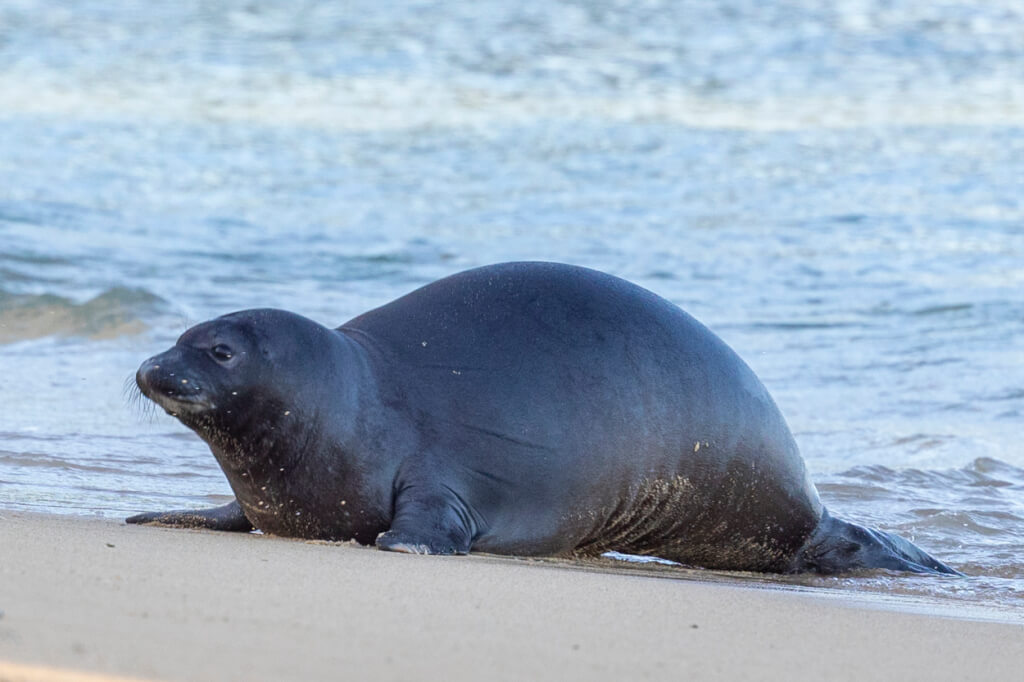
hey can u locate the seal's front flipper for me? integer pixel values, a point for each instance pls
(435, 524)
(227, 517)
(837, 546)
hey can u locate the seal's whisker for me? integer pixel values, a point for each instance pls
(145, 408)
(130, 389)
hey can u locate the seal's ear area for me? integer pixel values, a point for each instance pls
(226, 341)
(270, 333)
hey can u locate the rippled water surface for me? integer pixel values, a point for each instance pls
(837, 189)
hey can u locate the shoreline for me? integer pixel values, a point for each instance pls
(102, 600)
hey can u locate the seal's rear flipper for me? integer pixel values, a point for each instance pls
(837, 546)
(227, 517)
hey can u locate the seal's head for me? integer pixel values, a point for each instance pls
(231, 369)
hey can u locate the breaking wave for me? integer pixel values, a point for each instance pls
(119, 311)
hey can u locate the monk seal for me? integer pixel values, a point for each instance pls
(520, 408)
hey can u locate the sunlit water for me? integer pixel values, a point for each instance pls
(837, 189)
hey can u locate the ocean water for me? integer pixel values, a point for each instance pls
(836, 189)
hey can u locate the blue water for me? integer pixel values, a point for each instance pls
(836, 189)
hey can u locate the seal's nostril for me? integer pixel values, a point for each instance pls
(147, 373)
(142, 375)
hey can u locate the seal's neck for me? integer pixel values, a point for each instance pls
(312, 444)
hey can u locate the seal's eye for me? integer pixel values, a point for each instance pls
(222, 353)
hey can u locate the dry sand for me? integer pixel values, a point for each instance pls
(91, 600)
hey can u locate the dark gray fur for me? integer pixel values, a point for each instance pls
(522, 408)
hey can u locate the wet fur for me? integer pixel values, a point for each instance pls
(522, 408)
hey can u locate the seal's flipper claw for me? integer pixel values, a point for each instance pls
(400, 542)
(228, 517)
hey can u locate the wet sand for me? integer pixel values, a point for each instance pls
(90, 600)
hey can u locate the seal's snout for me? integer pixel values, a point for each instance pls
(144, 374)
(166, 380)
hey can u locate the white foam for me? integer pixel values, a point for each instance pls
(407, 102)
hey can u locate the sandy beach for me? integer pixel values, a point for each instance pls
(86, 599)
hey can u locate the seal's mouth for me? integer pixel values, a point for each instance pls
(177, 405)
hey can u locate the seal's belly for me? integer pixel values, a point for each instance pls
(307, 518)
